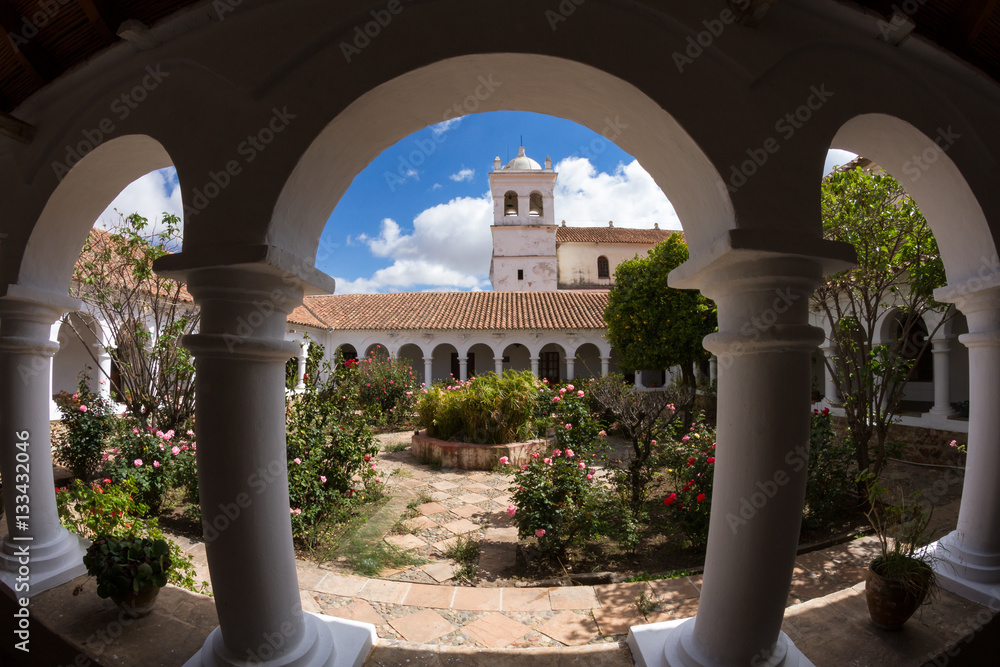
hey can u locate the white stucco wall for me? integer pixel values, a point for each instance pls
(577, 262)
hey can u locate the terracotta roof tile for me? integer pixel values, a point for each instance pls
(455, 310)
(611, 235)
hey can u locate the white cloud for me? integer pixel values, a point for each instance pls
(446, 125)
(450, 245)
(449, 248)
(463, 175)
(436, 186)
(148, 197)
(585, 197)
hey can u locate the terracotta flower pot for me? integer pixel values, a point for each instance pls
(137, 605)
(890, 603)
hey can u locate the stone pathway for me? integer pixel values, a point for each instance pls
(420, 605)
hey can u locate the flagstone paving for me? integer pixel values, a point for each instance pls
(424, 604)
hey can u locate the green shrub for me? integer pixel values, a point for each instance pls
(331, 453)
(556, 500)
(104, 509)
(484, 410)
(831, 473)
(87, 419)
(149, 459)
(386, 389)
(575, 427)
(691, 458)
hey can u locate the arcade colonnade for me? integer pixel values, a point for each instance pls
(461, 355)
(267, 119)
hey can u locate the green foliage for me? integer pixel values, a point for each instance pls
(575, 427)
(115, 276)
(691, 458)
(87, 419)
(556, 500)
(131, 564)
(485, 410)
(107, 510)
(901, 527)
(898, 266)
(641, 417)
(331, 452)
(828, 488)
(386, 389)
(152, 460)
(651, 324)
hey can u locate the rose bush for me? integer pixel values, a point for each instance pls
(87, 419)
(556, 499)
(691, 461)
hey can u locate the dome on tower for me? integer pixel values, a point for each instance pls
(522, 162)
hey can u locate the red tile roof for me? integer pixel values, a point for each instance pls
(455, 310)
(612, 235)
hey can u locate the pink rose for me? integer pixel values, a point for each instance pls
(504, 460)
(511, 510)
(156, 464)
(175, 450)
(581, 464)
(590, 476)
(569, 453)
(569, 426)
(137, 462)
(83, 408)
(298, 461)
(539, 532)
(580, 393)
(322, 478)
(569, 387)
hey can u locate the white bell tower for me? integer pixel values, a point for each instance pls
(524, 229)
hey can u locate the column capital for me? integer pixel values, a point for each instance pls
(26, 319)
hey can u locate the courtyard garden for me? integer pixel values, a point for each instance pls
(619, 484)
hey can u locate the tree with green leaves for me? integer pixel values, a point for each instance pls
(898, 269)
(653, 325)
(146, 315)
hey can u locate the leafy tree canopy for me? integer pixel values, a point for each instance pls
(652, 325)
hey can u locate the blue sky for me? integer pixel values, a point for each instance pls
(417, 218)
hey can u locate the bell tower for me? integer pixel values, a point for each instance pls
(524, 229)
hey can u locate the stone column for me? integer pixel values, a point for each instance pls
(638, 380)
(941, 349)
(830, 391)
(570, 367)
(534, 365)
(37, 552)
(240, 355)
(968, 559)
(605, 366)
(713, 368)
(463, 368)
(764, 345)
(428, 371)
(498, 365)
(104, 371)
(300, 371)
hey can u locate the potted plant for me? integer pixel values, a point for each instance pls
(130, 570)
(901, 577)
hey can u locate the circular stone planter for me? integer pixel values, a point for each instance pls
(470, 456)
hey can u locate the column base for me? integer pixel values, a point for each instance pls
(669, 644)
(328, 642)
(943, 412)
(51, 564)
(974, 576)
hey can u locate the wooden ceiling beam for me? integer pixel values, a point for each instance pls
(21, 33)
(16, 129)
(104, 15)
(969, 24)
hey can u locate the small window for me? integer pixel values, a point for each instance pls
(520, 274)
(602, 267)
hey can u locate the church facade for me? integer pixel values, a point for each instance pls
(545, 313)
